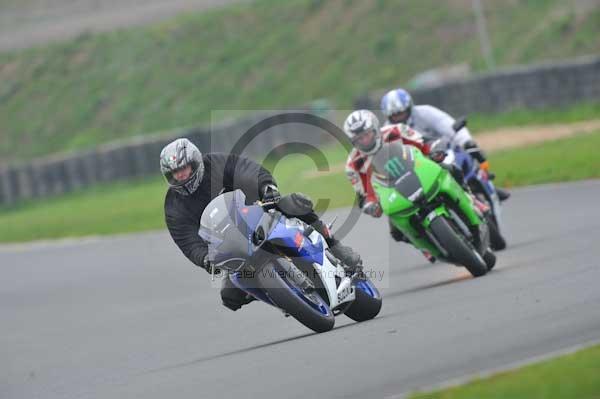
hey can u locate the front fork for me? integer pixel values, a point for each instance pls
(345, 291)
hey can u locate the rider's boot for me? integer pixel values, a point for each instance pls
(428, 256)
(503, 194)
(232, 297)
(344, 253)
(397, 235)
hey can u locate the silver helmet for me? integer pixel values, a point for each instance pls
(397, 106)
(175, 157)
(362, 128)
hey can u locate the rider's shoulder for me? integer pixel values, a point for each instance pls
(221, 160)
(393, 132)
(214, 156)
(172, 201)
(428, 110)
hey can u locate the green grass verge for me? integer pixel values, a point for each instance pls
(554, 161)
(117, 208)
(569, 376)
(105, 209)
(525, 117)
(268, 54)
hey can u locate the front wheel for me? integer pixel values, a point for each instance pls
(367, 303)
(306, 307)
(458, 248)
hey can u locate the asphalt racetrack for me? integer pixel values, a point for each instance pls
(129, 317)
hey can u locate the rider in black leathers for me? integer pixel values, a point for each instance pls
(195, 180)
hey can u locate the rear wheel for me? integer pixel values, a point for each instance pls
(306, 307)
(497, 242)
(367, 303)
(490, 259)
(459, 249)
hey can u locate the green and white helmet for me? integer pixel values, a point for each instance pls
(177, 155)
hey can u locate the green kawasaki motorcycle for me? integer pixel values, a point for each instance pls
(426, 203)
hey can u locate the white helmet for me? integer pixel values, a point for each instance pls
(362, 128)
(177, 155)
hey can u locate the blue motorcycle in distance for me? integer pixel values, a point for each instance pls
(284, 262)
(480, 183)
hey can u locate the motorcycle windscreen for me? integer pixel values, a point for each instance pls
(394, 166)
(227, 225)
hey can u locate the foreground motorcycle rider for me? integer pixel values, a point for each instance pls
(397, 106)
(195, 179)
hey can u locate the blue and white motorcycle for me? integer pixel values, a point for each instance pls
(481, 185)
(284, 262)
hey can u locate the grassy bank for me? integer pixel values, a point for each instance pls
(118, 208)
(570, 376)
(525, 117)
(556, 161)
(268, 54)
(107, 209)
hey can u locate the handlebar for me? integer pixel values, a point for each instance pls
(459, 123)
(267, 205)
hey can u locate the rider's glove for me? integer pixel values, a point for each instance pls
(373, 208)
(437, 157)
(270, 194)
(437, 150)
